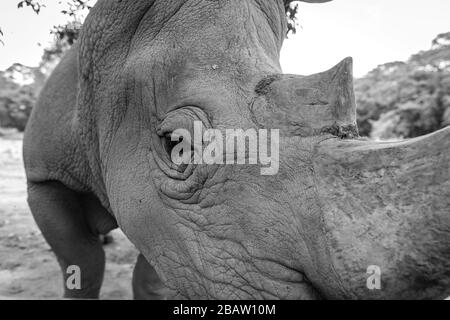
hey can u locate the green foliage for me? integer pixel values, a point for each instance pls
(65, 36)
(36, 6)
(19, 87)
(69, 32)
(407, 99)
(291, 14)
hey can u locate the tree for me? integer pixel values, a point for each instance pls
(20, 85)
(69, 31)
(407, 99)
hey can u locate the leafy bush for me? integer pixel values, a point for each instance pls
(407, 99)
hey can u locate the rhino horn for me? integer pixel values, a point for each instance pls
(309, 105)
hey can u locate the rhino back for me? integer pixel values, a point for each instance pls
(51, 148)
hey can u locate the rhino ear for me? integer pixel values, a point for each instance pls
(287, 2)
(312, 1)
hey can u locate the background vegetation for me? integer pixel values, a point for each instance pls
(407, 99)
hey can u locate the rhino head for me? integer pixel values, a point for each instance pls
(337, 205)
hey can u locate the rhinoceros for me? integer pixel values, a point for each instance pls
(340, 211)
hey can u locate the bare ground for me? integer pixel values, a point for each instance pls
(28, 268)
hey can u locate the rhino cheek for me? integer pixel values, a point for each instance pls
(238, 242)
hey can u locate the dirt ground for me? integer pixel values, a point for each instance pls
(28, 268)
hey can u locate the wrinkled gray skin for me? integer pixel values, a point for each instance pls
(96, 159)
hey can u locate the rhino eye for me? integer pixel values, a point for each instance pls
(175, 133)
(169, 144)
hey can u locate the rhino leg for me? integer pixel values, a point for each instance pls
(146, 283)
(71, 223)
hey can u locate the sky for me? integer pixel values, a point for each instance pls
(373, 32)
